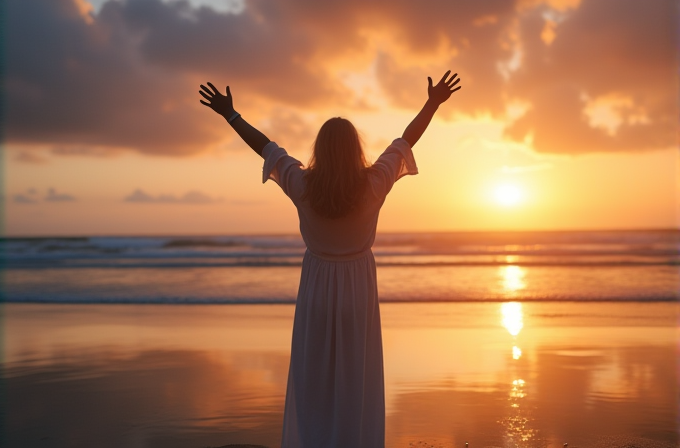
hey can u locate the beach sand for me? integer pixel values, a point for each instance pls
(491, 374)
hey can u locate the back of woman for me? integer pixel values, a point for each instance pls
(354, 230)
(335, 396)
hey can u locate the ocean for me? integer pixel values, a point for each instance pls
(501, 339)
(640, 265)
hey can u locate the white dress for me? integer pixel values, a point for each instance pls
(335, 396)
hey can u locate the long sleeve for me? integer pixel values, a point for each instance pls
(395, 162)
(283, 169)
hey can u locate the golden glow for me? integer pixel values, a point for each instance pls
(511, 258)
(551, 200)
(513, 317)
(516, 352)
(513, 278)
(508, 195)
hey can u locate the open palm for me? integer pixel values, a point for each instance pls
(223, 105)
(444, 88)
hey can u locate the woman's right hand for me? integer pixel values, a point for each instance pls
(223, 105)
(436, 95)
(444, 88)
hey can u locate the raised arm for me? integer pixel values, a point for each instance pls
(436, 96)
(224, 105)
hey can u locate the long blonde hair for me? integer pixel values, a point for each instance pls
(336, 175)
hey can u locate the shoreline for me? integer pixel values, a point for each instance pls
(607, 442)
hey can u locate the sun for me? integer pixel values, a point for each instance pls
(508, 195)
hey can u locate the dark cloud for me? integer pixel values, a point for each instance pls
(191, 197)
(597, 76)
(70, 82)
(54, 196)
(127, 77)
(268, 47)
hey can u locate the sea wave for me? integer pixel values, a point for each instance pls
(650, 247)
(262, 262)
(291, 301)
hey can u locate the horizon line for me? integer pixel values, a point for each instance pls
(388, 232)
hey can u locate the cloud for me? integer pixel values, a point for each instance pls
(471, 38)
(30, 196)
(191, 197)
(29, 157)
(597, 75)
(606, 81)
(23, 199)
(601, 77)
(129, 77)
(289, 128)
(73, 81)
(53, 196)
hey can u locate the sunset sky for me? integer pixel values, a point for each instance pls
(567, 119)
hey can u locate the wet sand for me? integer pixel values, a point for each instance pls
(491, 374)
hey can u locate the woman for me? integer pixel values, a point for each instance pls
(335, 396)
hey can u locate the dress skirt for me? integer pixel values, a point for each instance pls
(336, 396)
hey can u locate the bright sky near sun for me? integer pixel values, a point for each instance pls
(105, 134)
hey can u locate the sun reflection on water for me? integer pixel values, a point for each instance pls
(516, 352)
(512, 278)
(513, 317)
(518, 423)
(518, 430)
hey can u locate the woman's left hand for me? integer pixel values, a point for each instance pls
(223, 105)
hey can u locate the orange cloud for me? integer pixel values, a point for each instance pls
(553, 56)
(605, 82)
